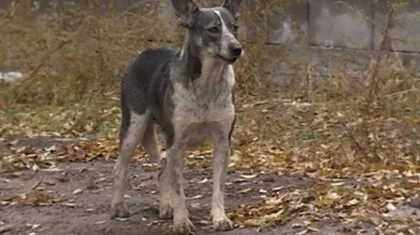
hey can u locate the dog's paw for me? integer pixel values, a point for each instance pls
(224, 224)
(166, 211)
(119, 211)
(185, 227)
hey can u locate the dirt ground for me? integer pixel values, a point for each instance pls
(85, 190)
(91, 217)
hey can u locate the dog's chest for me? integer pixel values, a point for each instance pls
(202, 106)
(208, 99)
(198, 116)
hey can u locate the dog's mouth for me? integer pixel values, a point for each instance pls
(228, 60)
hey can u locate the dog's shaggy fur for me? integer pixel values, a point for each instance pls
(189, 95)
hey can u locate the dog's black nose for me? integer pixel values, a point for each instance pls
(235, 49)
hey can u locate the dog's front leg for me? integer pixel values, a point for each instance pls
(172, 191)
(221, 156)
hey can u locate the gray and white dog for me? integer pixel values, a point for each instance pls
(189, 95)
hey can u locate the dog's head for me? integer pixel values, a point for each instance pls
(212, 30)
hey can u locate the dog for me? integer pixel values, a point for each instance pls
(189, 94)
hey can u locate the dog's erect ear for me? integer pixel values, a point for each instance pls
(233, 6)
(185, 11)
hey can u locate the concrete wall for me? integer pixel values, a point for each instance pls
(330, 35)
(350, 24)
(343, 36)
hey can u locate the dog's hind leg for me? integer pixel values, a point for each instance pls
(165, 205)
(150, 144)
(132, 131)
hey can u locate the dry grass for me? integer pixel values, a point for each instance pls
(77, 53)
(74, 56)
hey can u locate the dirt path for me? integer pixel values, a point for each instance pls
(74, 199)
(87, 187)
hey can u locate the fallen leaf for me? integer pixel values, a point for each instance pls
(249, 176)
(278, 188)
(43, 200)
(4, 203)
(333, 196)
(6, 228)
(338, 183)
(64, 179)
(77, 191)
(33, 226)
(247, 190)
(70, 205)
(37, 184)
(390, 207)
(263, 191)
(205, 180)
(303, 232)
(18, 197)
(352, 202)
(312, 229)
(100, 222)
(195, 197)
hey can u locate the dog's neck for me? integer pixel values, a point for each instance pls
(199, 67)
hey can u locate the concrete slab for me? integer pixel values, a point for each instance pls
(334, 61)
(292, 67)
(288, 26)
(334, 23)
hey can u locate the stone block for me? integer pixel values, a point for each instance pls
(286, 70)
(334, 61)
(343, 24)
(410, 61)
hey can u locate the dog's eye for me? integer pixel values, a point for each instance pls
(213, 30)
(235, 27)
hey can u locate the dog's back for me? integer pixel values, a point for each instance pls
(150, 70)
(145, 83)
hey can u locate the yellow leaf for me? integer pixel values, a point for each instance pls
(333, 196)
(18, 197)
(390, 207)
(352, 202)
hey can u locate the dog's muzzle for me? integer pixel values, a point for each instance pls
(235, 52)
